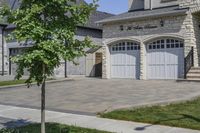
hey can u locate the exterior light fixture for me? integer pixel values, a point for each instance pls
(162, 23)
(121, 27)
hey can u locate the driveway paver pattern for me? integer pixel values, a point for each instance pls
(89, 96)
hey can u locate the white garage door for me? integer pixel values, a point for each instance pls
(165, 59)
(125, 57)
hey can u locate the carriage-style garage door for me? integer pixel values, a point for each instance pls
(125, 57)
(165, 59)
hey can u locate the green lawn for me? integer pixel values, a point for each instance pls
(185, 115)
(13, 82)
(16, 82)
(51, 128)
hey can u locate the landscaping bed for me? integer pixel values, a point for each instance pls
(184, 115)
(50, 128)
(12, 82)
(16, 82)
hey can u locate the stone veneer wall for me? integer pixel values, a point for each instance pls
(196, 22)
(194, 14)
(5, 55)
(0, 50)
(194, 5)
(183, 27)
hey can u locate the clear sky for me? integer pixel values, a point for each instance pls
(112, 6)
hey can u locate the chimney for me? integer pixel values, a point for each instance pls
(135, 4)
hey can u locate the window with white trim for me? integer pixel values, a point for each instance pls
(165, 43)
(125, 46)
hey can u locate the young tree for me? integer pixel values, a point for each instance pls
(2, 3)
(49, 25)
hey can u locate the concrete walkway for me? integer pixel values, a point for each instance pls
(16, 116)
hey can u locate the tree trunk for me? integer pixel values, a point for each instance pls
(43, 102)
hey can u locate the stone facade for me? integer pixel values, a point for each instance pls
(72, 69)
(184, 27)
(194, 5)
(78, 67)
(5, 54)
(90, 29)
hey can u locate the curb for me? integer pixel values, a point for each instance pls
(161, 103)
(50, 81)
(187, 80)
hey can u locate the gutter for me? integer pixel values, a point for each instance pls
(183, 12)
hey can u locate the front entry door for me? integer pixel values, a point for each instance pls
(98, 65)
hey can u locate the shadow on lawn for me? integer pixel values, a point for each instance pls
(15, 123)
(184, 116)
(24, 126)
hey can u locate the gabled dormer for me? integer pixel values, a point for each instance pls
(136, 4)
(150, 4)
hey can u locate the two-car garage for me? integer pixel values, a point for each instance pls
(164, 59)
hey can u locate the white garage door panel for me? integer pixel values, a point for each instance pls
(166, 62)
(125, 60)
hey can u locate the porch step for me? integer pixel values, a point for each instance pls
(194, 74)
(194, 71)
(188, 80)
(195, 68)
(193, 78)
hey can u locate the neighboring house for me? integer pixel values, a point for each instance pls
(3, 51)
(87, 66)
(155, 39)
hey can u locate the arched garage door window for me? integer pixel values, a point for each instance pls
(165, 59)
(125, 58)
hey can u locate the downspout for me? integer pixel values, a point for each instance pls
(150, 4)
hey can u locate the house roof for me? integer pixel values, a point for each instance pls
(141, 14)
(92, 50)
(95, 16)
(3, 25)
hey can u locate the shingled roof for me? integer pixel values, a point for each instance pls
(97, 16)
(94, 17)
(141, 14)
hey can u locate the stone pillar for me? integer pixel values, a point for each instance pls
(190, 40)
(0, 50)
(106, 62)
(142, 61)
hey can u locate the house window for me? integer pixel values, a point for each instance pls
(167, 43)
(125, 46)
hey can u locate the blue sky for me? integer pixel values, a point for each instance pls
(112, 6)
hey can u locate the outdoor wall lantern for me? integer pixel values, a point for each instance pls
(162, 23)
(121, 27)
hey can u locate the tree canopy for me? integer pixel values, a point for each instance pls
(50, 26)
